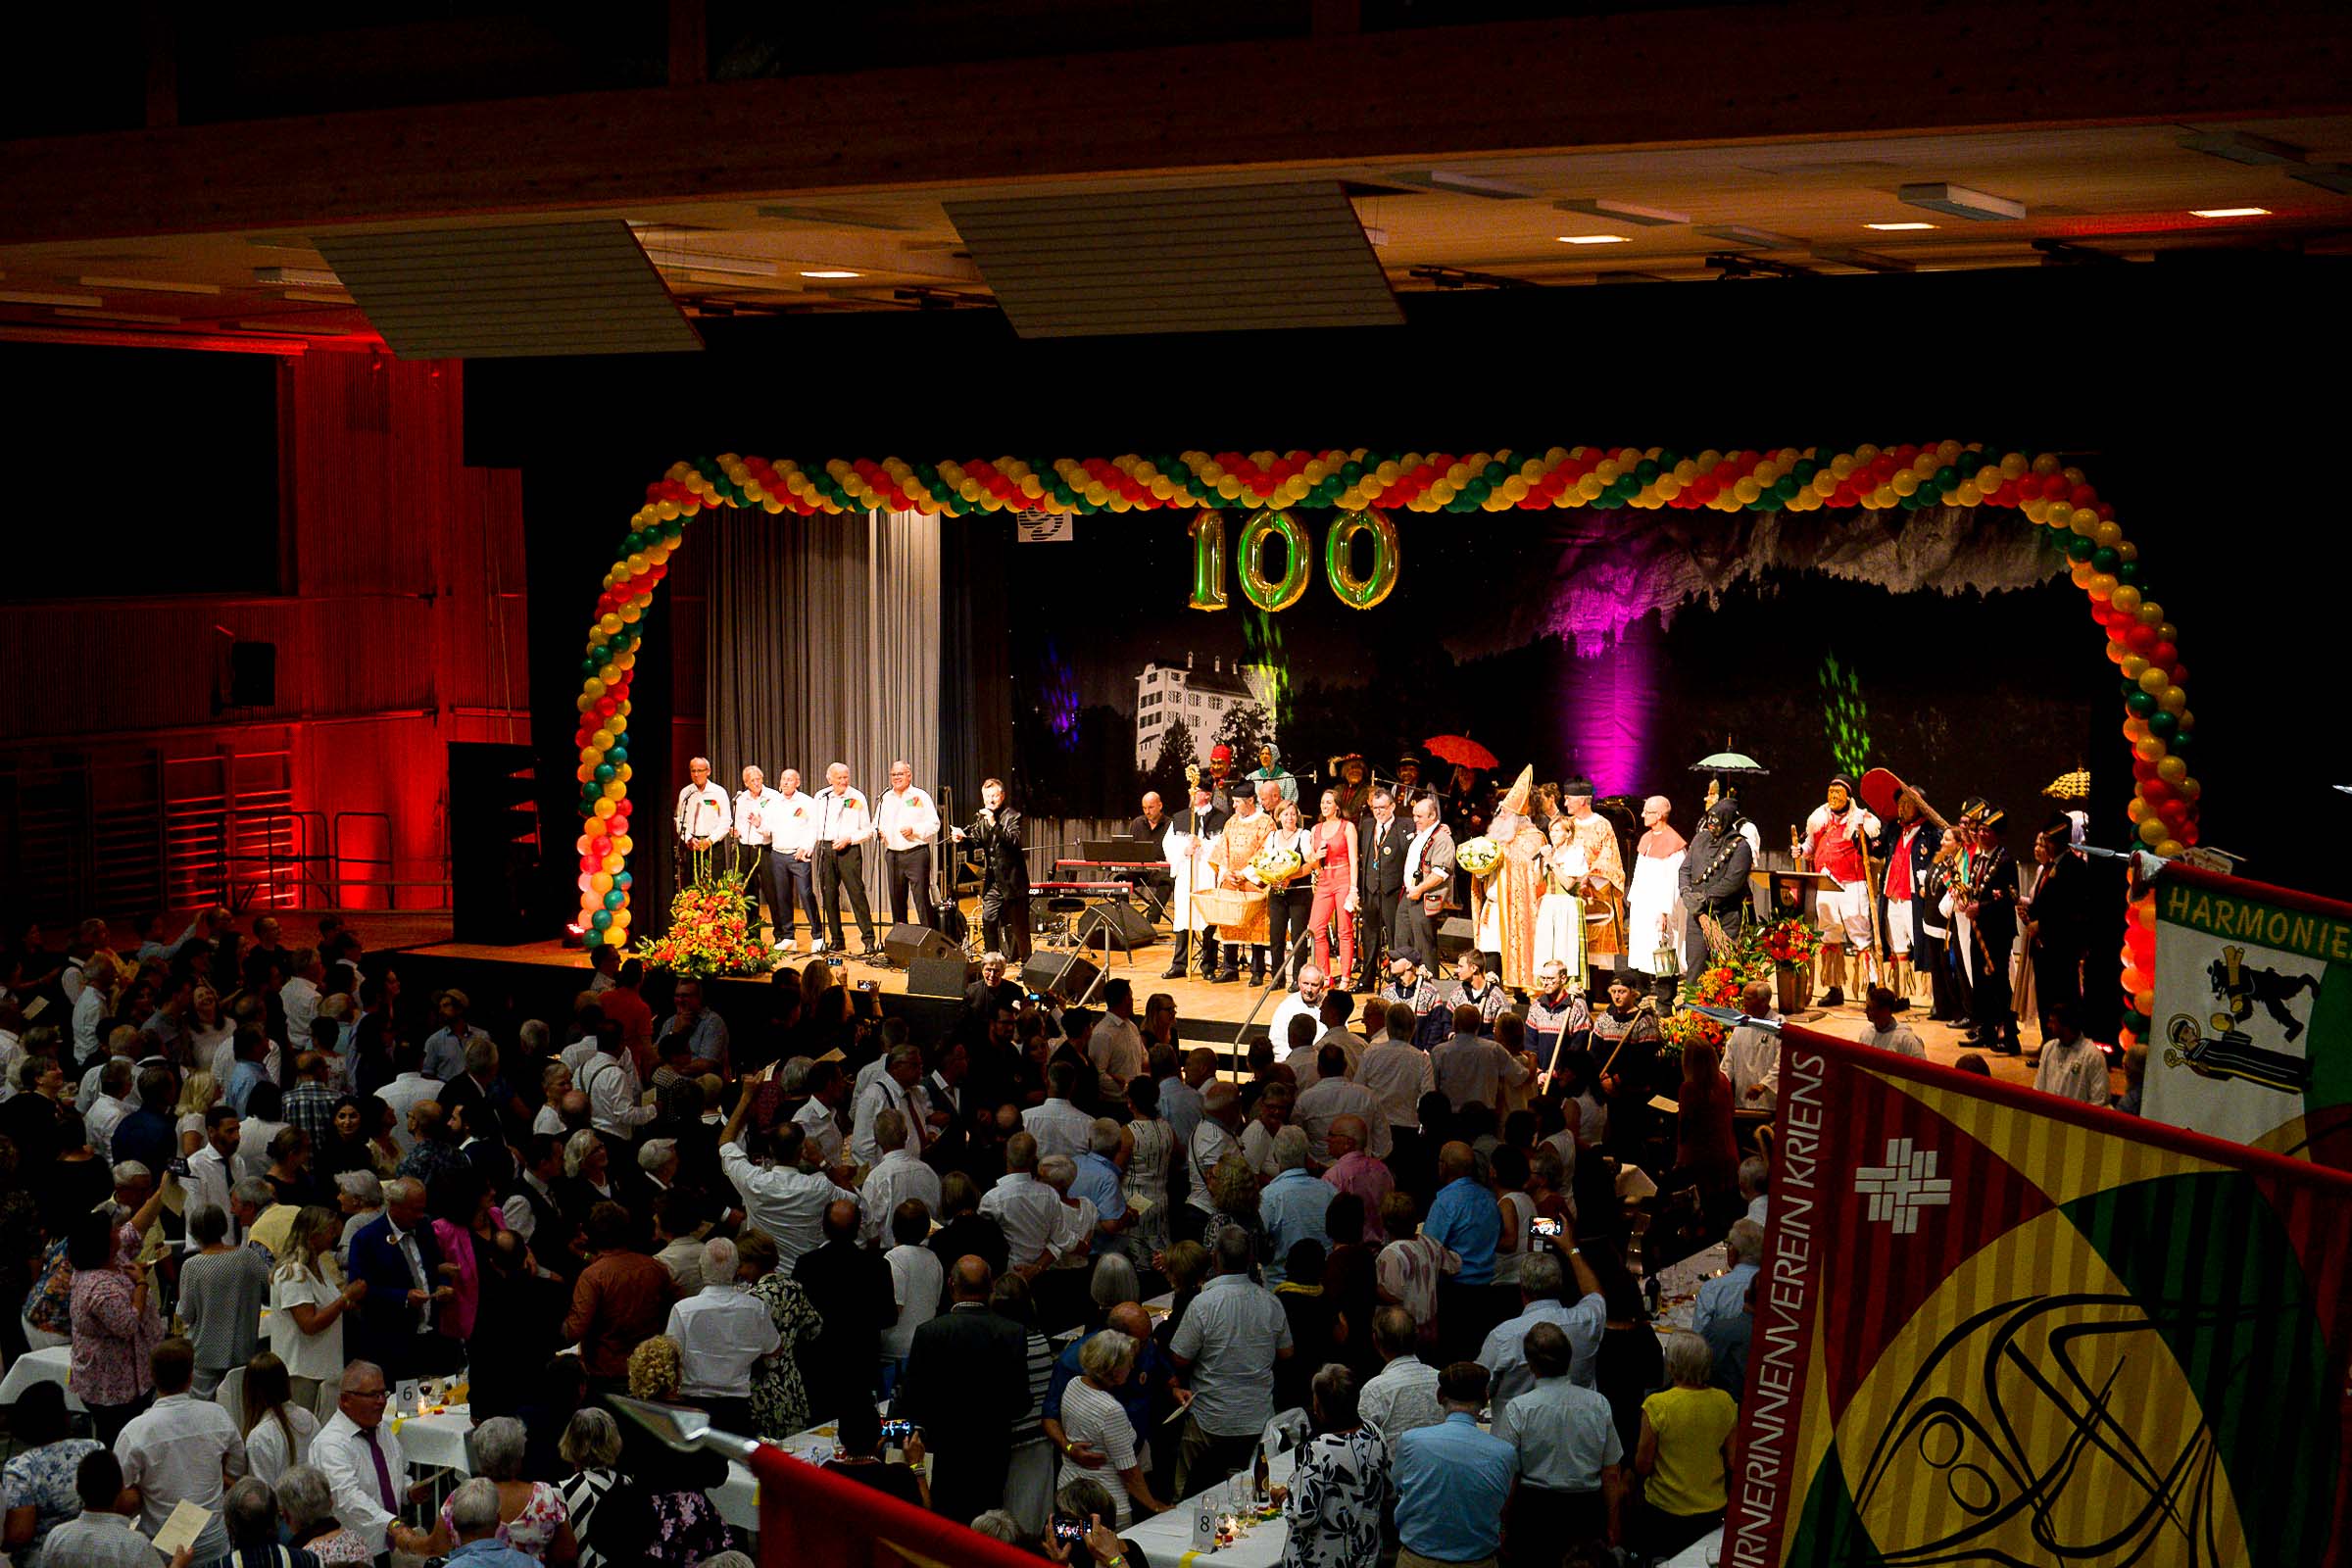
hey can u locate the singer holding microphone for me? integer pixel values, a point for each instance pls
(1004, 873)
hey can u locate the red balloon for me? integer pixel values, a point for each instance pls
(2140, 639)
(2161, 652)
(592, 863)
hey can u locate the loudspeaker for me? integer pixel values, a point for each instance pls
(493, 842)
(1116, 923)
(945, 976)
(1455, 937)
(1059, 974)
(253, 675)
(903, 944)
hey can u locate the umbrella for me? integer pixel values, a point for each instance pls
(1730, 763)
(1460, 750)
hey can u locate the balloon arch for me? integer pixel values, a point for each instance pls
(2140, 642)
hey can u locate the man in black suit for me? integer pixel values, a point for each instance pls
(397, 1257)
(966, 1382)
(1205, 821)
(1380, 866)
(1003, 873)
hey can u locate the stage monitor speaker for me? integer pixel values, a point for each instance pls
(901, 944)
(1116, 923)
(1454, 938)
(1059, 974)
(943, 976)
(493, 842)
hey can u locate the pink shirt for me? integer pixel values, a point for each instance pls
(1368, 1179)
(111, 1339)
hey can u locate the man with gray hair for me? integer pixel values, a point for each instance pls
(1229, 1340)
(701, 817)
(658, 1158)
(473, 1519)
(1293, 1203)
(899, 1176)
(844, 825)
(249, 1513)
(1755, 1185)
(1726, 1296)
(1214, 1137)
(892, 1089)
(1026, 1209)
(1571, 1488)
(1541, 1276)
(723, 1332)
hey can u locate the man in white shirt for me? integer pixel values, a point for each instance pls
(1330, 1097)
(1116, 1045)
(1884, 1031)
(1338, 1008)
(2072, 1066)
(1025, 1209)
(1306, 1002)
(917, 1280)
(90, 1007)
(892, 1088)
(900, 1175)
(792, 847)
(702, 816)
(211, 1173)
(909, 824)
(616, 1105)
(409, 1085)
(1428, 872)
(844, 824)
(1402, 1396)
(361, 1457)
(723, 1332)
(1058, 1125)
(779, 1198)
(300, 998)
(758, 811)
(181, 1449)
(1397, 1071)
(1751, 1052)
(106, 1113)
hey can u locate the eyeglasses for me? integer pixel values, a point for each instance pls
(366, 1393)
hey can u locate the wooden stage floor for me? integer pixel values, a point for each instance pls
(1206, 1012)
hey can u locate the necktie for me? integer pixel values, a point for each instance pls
(383, 1472)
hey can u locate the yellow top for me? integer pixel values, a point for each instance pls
(1691, 1424)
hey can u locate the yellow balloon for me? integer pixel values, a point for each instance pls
(2172, 699)
(2133, 665)
(604, 806)
(600, 883)
(2151, 613)
(623, 842)
(2151, 831)
(2148, 748)
(2125, 597)
(614, 789)
(2153, 681)
(2172, 770)
(2169, 848)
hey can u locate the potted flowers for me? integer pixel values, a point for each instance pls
(1791, 945)
(711, 931)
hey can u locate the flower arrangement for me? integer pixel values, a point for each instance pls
(1679, 1030)
(1277, 868)
(1718, 986)
(1790, 941)
(1479, 856)
(711, 933)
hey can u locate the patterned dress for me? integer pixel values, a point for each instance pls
(1337, 1498)
(42, 1479)
(531, 1530)
(581, 1493)
(1148, 1179)
(779, 1402)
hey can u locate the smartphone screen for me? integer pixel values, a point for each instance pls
(1068, 1530)
(1547, 1228)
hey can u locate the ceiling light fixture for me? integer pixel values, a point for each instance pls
(831, 272)
(297, 276)
(2195, 212)
(1592, 239)
(150, 285)
(15, 296)
(1623, 212)
(1460, 184)
(2242, 147)
(1958, 201)
(1759, 239)
(681, 261)
(833, 217)
(2336, 177)
(1896, 228)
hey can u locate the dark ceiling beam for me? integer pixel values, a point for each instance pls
(1635, 79)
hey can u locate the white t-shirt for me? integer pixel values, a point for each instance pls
(307, 1356)
(916, 1280)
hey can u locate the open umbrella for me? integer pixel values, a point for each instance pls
(1461, 751)
(1728, 760)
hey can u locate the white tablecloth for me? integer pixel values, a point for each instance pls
(1167, 1537)
(1704, 1553)
(439, 1441)
(53, 1365)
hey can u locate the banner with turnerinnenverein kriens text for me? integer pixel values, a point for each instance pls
(2251, 1036)
(1996, 1327)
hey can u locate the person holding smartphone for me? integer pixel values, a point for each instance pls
(861, 1459)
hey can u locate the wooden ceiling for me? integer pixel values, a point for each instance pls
(211, 248)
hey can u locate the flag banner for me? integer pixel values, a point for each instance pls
(811, 1518)
(2251, 1037)
(1995, 1327)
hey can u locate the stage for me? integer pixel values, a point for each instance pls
(540, 979)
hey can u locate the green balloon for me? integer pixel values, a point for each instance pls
(2104, 559)
(2163, 725)
(2139, 703)
(2079, 549)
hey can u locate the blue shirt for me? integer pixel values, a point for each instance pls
(1724, 1296)
(1137, 1396)
(1464, 1217)
(487, 1552)
(1292, 1208)
(1097, 1180)
(1451, 1483)
(241, 1082)
(445, 1053)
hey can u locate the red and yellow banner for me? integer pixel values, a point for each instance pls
(1996, 1327)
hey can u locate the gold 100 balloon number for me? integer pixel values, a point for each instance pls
(1358, 592)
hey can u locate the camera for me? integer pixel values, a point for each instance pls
(1550, 1229)
(896, 1432)
(1068, 1530)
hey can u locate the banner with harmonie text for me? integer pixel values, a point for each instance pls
(1997, 1327)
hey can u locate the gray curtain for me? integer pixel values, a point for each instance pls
(822, 643)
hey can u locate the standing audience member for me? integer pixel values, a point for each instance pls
(591, 1448)
(724, 1333)
(851, 1289)
(622, 1299)
(1452, 1480)
(115, 1328)
(37, 1488)
(1571, 1491)
(180, 1449)
(277, 1427)
(1402, 1395)
(222, 1290)
(1689, 1449)
(967, 1382)
(102, 1535)
(1230, 1341)
(1341, 1493)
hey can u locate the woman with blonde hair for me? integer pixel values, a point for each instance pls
(278, 1427)
(655, 1371)
(1690, 1446)
(307, 1298)
(591, 1445)
(199, 1092)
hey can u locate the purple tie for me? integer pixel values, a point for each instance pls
(383, 1473)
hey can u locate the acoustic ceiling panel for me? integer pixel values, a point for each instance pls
(1219, 258)
(510, 293)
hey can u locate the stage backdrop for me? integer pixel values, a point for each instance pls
(821, 644)
(1945, 644)
(1995, 1326)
